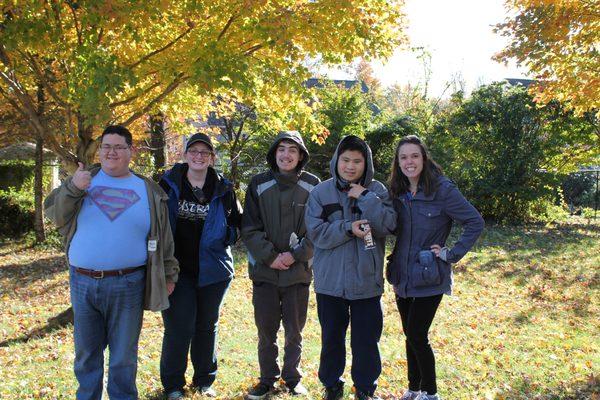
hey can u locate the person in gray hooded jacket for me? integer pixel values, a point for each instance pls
(349, 276)
(274, 233)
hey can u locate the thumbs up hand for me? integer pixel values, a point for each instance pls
(82, 179)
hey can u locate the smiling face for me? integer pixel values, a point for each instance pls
(351, 165)
(115, 155)
(287, 156)
(199, 157)
(410, 160)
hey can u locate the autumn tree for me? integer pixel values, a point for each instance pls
(559, 42)
(115, 61)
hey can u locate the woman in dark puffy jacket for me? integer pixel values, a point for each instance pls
(205, 217)
(420, 265)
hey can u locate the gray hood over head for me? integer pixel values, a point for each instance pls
(367, 177)
(293, 136)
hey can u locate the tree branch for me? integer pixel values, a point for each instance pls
(253, 49)
(100, 35)
(42, 78)
(180, 78)
(77, 27)
(132, 98)
(165, 47)
(226, 27)
(32, 119)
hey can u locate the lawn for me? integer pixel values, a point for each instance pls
(523, 323)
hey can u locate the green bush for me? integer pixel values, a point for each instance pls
(17, 212)
(15, 174)
(383, 141)
(507, 154)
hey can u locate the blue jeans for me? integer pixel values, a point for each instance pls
(108, 312)
(365, 317)
(191, 326)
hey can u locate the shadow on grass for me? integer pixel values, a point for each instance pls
(576, 390)
(56, 323)
(547, 242)
(21, 275)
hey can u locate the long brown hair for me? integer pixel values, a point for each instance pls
(399, 183)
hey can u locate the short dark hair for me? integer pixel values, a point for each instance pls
(399, 183)
(353, 143)
(288, 141)
(118, 130)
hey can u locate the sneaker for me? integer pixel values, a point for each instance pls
(207, 391)
(177, 394)
(360, 395)
(335, 392)
(259, 391)
(425, 396)
(409, 395)
(297, 389)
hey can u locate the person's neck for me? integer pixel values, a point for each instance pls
(413, 184)
(288, 173)
(117, 174)
(197, 178)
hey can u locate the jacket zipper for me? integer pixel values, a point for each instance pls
(409, 202)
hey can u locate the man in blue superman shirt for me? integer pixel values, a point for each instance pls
(120, 250)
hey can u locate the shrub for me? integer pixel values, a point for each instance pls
(16, 212)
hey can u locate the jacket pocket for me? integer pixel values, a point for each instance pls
(426, 271)
(429, 217)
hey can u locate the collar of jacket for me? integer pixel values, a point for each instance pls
(286, 179)
(175, 175)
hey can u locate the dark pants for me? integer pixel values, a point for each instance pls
(366, 323)
(191, 325)
(417, 314)
(272, 306)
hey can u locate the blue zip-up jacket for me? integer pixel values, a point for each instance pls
(342, 267)
(422, 222)
(220, 230)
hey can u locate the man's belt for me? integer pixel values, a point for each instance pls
(105, 274)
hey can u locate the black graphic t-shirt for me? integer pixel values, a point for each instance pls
(194, 204)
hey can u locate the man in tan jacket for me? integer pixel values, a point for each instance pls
(120, 250)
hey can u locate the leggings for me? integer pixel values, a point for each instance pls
(417, 314)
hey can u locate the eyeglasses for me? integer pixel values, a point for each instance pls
(117, 147)
(203, 154)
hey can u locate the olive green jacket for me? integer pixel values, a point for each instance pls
(64, 203)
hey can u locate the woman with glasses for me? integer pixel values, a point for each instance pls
(205, 217)
(420, 265)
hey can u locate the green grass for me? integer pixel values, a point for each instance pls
(523, 323)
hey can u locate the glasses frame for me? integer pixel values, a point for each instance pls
(203, 154)
(116, 147)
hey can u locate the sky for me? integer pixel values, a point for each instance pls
(459, 37)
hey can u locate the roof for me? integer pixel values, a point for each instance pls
(22, 151)
(348, 84)
(519, 82)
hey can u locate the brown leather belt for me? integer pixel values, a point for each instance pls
(105, 274)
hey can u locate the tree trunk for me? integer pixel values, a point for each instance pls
(38, 191)
(157, 144)
(87, 145)
(234, 170)
(38, 174)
